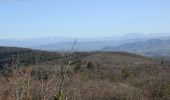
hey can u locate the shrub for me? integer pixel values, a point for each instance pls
(162, 61)
(90, 65)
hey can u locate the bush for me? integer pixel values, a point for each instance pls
(162, 61)
(90, 65)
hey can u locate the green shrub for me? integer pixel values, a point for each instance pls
(162, 61)
(90, 65)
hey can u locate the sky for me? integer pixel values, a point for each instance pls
(82, 18)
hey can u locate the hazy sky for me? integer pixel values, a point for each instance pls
(82, 18)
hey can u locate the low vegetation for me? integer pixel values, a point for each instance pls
(85, 76)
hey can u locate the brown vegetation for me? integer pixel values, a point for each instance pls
(89, 76)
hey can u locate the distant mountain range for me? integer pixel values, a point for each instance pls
(114, 40)
(97, 44)
(145, 44)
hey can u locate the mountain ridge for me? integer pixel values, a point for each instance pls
(153, 47)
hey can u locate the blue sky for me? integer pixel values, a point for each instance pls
(83, 18)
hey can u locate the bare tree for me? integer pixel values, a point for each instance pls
(59, 96)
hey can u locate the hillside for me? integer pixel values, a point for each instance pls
(24, 56)
(12, 50)
(89, 76)
(153, 47)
